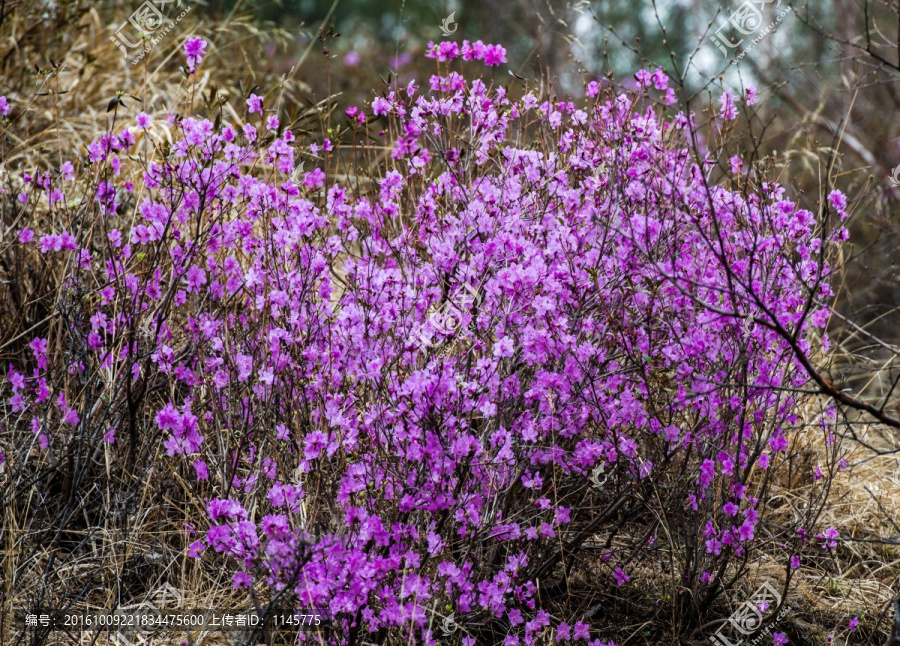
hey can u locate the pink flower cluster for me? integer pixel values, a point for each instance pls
(194, 51)
(491, 55)
(625, 317)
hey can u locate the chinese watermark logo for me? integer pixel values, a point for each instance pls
(448, 21)
(449, 625)
(146, 26)
(163, 596)
(750, 617)
(595, 479)
(895, 176)
(747, 20)
(448, 318)
(297, 174)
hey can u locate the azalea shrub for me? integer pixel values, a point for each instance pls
(434, 371)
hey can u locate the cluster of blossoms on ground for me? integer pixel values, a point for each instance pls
(400, 401)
